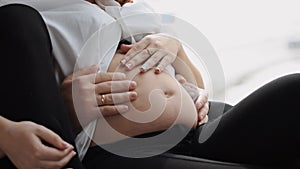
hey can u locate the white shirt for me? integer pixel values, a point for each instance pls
(137, 19)
(70, 24)
(82, 34)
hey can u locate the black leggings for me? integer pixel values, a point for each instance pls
(261, 129)
(29, 89)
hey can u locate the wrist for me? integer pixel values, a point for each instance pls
(4, 127)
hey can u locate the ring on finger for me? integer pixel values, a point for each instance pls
(102, 99)
(150, 52)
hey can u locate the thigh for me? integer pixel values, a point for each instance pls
(263, 128)
(29, 89)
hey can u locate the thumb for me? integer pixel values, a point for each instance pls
(125, 48)
(50, 137)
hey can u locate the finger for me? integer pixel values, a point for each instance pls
(58, 164)
(200, 102)
(203, 111)
(153, 60)
(167, 60)
(115, 86)
(138, 59)
(50, 137)
(116, 98)
(202, 99)
(180, 78)
(113, 110)
(125, 48)
(53, 154)
(86, 71)
(136, 48)
(205, 120)
(107, 76)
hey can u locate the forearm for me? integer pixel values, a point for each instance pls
(3, 125)
(187, 69)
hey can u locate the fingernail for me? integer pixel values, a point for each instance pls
(67, 145)
(157, 70)
(123, 109)
(133, 95)
(143, 68)
(128, 65)
(123, 61)
(74, 153)
(132, 85)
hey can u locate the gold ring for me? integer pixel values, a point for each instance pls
(149, 52)
(102, 99)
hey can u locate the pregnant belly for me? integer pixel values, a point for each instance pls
(161, 103)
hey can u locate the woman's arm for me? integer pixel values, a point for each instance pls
(191, 80)
(159, 51)
(187, 69)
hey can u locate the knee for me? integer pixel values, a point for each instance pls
(291, 81)
(20, 21)
(286, 90)
(14, 15)
(22, 25)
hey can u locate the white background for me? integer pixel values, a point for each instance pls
(251, 37)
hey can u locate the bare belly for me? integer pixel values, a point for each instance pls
(161, 103)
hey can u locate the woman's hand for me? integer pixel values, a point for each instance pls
(96, 93)
(22, 143)
(202, 105)
(157, 50)
(200, 97)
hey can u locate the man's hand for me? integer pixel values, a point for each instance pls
(22, 143)
(87, 94)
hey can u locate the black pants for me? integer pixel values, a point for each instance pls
(29, 89)
(261, 129)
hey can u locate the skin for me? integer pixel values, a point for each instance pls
(171, 93)
(171, 52)
(56, 157)
(167, 49)
(32, 153)
(91, 1)
(89, 83)
(168, 92)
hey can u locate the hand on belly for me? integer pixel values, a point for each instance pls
(161, 103)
